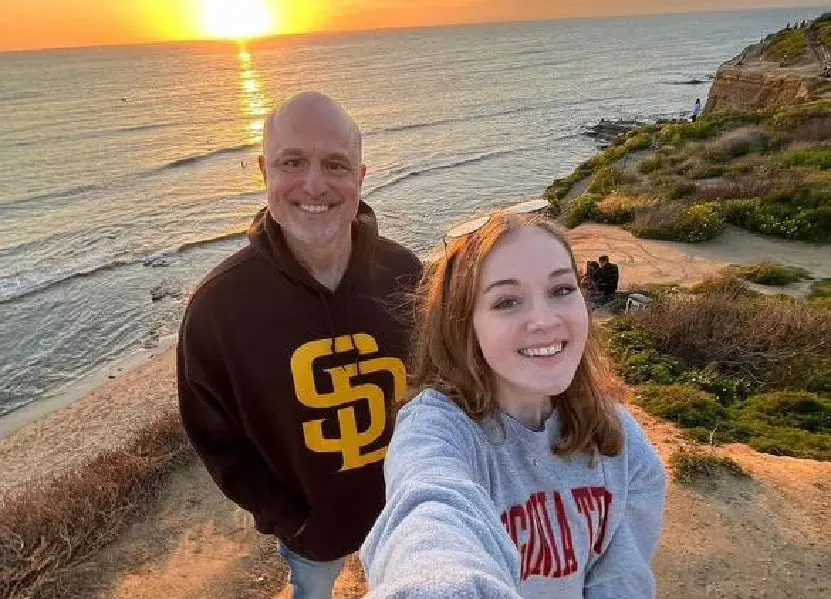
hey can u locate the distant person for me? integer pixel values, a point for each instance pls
(608, 276)
(589, 280)
(696, 110)
(290, 350)
(511, 474)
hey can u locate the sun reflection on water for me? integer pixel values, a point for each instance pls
(253, 102)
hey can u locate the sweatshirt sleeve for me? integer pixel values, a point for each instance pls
(439, 534)
(625, 571)
(206, 403)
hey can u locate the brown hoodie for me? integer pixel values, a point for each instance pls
(284, 385)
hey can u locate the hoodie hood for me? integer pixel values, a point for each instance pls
(268, 240)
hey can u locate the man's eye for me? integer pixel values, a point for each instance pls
(292, 163)
(562, 290)
(508, 303)
(336, 167)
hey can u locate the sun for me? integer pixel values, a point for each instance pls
(239, 19)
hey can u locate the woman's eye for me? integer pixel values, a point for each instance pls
(506, 304)
(563, 290)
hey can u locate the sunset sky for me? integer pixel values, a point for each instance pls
(28, 24)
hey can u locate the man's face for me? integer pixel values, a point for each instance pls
(313, 174)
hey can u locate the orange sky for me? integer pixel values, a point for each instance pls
(29, 24)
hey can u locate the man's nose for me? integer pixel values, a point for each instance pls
(314, 183)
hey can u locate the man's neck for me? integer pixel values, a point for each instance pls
(326, 264)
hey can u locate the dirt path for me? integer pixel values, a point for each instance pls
(763, 537)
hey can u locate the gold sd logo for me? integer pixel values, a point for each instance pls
(351, 440)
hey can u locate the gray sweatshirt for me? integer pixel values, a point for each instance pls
(487, 510)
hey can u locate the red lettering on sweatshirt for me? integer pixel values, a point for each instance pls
(593, 503)
(530, 527)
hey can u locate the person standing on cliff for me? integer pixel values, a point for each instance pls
(696, 111)
(291, 350)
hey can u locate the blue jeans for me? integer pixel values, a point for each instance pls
(309, 579)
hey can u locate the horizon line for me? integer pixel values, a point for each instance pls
(327, 32)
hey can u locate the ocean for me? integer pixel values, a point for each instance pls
(123, 168)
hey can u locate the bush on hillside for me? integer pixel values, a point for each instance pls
(618, 209)
(582, 209)
(687, 406)
(820, 289)
(675, 222)
(739, 142)
(733, 188)
(792, 409)
(811, 158)
(767, 340)
(606, 180)
(787, 47)
(652, 164)
(691, 465)
(772, 274)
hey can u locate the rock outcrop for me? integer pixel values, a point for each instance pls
(765, 75)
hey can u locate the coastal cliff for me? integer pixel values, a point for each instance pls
(789, 67)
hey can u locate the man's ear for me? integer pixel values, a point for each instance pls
(261, 162)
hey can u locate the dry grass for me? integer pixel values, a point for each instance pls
(763, 339)
(733, 188)
(618, 208)
(48, 527)
(690, 465)
(738, 142)
(814, 131)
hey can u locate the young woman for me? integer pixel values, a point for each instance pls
(511, 475)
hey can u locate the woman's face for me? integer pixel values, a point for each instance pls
(530, 317)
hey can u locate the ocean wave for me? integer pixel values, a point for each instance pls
(458, 119)
(53, 195)
(201, 157)
(16, 287)
(402, 175)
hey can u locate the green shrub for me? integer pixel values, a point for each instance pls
(780, 220)
(700, 222)
(684, 404)
(813, 158)
(674, 222)
(637, 140)
(652, 164)
(739, 142)
(583, 208)
(820, 289)
(790, 409)
(677, 133)
(774, 341)
(636, 357)
(787, 46)
(795, 115)
(728, 390)
(606, 180)
(619, 209)
(792, 442)
(690, 465)
(560, 187)
(772, 274)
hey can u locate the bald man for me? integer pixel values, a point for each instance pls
(292, 349)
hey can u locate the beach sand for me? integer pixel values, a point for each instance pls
(762, 537)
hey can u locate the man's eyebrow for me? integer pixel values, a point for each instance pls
(500, 283)
(291, 152)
